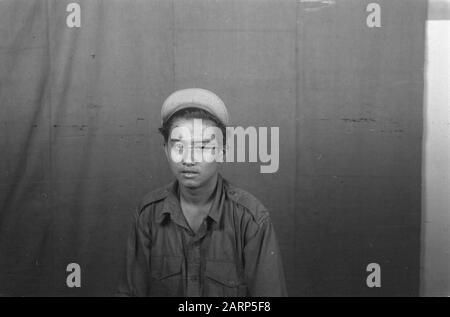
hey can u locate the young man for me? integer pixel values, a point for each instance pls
(200, 235)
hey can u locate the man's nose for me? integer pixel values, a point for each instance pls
(189, 157)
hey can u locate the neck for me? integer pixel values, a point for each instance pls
(200, 195)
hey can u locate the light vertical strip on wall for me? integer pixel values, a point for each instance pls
(435, 277)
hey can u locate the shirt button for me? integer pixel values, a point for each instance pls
(194, 278)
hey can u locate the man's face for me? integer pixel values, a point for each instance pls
(191, 150)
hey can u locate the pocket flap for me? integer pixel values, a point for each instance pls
(165, 266)
(222, 272)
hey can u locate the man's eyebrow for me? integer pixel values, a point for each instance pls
(204, 141)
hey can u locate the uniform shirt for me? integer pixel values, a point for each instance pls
(234, 252)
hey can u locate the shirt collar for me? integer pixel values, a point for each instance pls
(171, 206)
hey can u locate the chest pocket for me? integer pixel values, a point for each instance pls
(166, 276)
(222, 279)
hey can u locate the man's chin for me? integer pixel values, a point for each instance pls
(189, 183)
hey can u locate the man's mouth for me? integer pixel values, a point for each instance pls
(189, 174)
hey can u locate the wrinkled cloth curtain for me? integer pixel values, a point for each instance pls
(79, 112)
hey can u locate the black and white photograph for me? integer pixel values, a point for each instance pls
(224, 148)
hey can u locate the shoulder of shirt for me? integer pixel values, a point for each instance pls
(243, 198)
(154, 196)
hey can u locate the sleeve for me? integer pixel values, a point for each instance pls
(263, 266)
(135, 276)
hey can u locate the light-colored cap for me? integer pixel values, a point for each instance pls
(195, 98)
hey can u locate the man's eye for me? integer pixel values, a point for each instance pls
(178, 147)
(199, 147)
(205, 147)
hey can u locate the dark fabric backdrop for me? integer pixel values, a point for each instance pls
(79, 113)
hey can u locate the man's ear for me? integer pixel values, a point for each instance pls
(166, 149)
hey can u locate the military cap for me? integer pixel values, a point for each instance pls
(195, 98)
